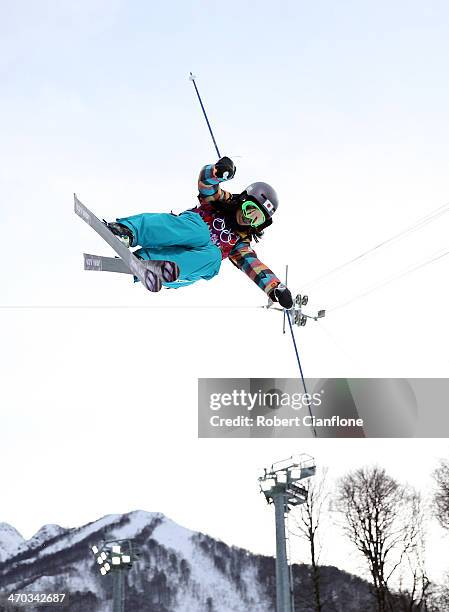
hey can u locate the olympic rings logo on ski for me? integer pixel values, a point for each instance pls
(225, 235)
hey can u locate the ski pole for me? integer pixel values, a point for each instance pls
(192, 78)
(300, 368)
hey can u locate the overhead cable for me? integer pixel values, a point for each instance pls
(388, 281)
(416, 226)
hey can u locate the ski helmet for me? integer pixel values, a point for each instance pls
(264, 195)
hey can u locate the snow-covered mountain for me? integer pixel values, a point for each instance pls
(178, 570)
(10, 541)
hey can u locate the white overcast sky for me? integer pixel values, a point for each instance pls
(343, 108)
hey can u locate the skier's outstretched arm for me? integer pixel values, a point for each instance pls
(244, 257)
(210, 178)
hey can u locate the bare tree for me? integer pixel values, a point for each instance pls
(382, 518)
(441, 497)
(307, 523)
(441, 510)
(417, 596)
(443, 596)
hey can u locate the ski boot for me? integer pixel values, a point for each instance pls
(123, 233)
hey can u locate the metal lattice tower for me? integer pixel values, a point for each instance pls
(115, 557)
(281, 486)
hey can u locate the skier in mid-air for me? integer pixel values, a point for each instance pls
(221, 226)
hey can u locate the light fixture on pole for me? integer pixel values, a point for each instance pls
(116, 557)
(281, 487)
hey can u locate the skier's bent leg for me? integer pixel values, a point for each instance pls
(155, 230)
(194, 264)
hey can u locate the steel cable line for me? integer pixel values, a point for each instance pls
(336, 342)
(441, 210)
(388, 281)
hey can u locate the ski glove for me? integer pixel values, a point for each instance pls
(282, 295)
(225, 169)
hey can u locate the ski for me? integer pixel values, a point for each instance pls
(99, 263)
(150, 273)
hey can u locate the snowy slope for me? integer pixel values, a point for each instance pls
(10, 540)
(178, 570)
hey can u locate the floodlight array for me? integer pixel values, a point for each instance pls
(282, 479)
(113, 556)
(105, 569)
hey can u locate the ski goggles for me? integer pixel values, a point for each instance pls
(253, 212)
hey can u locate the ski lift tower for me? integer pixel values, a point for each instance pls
(281, 486)
(116, 557)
